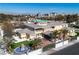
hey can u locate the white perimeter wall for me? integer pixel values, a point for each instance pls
(61, 44)
(36, 52)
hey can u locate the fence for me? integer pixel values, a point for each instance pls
(55, 45)
(35, 52)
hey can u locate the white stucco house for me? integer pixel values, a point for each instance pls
(35, 30)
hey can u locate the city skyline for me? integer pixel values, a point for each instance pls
(23, 8)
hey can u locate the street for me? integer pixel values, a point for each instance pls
(70, 50)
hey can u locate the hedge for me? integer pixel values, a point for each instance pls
(48, 47)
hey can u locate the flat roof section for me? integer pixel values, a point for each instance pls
(49, 24)
(25, 31)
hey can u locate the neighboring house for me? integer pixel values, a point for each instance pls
(45, 26)
(71, 31)
(1, 32)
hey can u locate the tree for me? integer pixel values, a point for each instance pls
(34, 43)
(8, 32)
(54, 35)
(71, 18)
(8, 28)
(64, 33)
(60, 34)
(59, 17)
(4, 17)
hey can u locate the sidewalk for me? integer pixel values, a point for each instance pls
(53, 50)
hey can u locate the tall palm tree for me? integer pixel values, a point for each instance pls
(63, 33)
(54, 35)
(8, 32)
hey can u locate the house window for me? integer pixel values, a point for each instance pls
(53, 27)
(0, 33)
(27, 36)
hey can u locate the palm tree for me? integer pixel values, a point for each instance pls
(71, 18)
(8, 32)
(7, 28)
(64, 33)
(54, 35)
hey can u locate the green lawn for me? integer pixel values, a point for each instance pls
(26, 43)
(14, 45)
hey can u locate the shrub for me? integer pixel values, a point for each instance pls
(48, 47)
(77, 33)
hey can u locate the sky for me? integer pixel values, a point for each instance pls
(23, 8)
